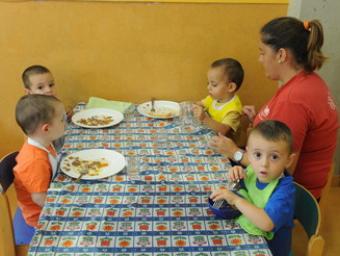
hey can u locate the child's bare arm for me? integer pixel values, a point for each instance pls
(230, 121)
(256, 215)
(216, 126)
(39, 198)
(201, 114)
(199, 103)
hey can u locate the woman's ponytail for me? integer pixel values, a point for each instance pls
(315, 58)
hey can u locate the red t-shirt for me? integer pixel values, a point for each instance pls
(306, 106)
(32, 174)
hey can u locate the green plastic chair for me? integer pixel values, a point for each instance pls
(307, 212)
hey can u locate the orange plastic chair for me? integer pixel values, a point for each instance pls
(307, 212)
(7, 242)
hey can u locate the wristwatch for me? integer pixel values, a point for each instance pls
(238, 155)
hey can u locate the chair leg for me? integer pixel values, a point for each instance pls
(21, 250)
(315, 245)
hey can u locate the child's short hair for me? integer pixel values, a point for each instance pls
(274, 130)
(232, 68)
(32, 70)
(33, 110)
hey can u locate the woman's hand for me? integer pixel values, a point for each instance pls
(236, 173)
(223, 145)
(250, 112)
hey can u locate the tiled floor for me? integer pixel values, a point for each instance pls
(331, 226)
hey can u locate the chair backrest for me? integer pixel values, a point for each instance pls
(307, 212)
(6, 170)
(325, 190)
(7, 247)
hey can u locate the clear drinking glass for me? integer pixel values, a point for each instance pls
(203, 140)
(133, 168)
(186, 117)
(162, 139)
(129, 113)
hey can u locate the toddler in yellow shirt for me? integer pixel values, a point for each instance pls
(221, 110)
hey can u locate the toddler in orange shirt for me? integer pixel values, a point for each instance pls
(42, 118)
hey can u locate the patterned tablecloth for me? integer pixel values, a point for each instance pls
(162, 213)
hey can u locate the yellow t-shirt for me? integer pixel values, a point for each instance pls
(228, 113)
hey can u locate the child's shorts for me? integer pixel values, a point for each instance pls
(23, 232)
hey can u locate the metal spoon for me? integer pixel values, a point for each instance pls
(218, 203)
(153, 105)
(82, 173)
(236, 185)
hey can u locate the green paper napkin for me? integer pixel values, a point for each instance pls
(120, 106)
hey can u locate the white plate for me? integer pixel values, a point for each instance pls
(116, 162)
(116, 116)
(163, 109)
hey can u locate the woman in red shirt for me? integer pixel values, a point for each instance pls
(290, 52)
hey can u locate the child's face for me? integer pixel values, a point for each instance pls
(218, 84)
(41, 84)
(56, 127)
(268, 158)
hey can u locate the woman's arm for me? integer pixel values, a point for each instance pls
(227, 147)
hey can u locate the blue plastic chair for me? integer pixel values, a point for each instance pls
(8, 231)
(307, 212)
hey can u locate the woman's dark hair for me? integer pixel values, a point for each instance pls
(303, 39)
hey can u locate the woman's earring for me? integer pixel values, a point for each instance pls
(280, 61)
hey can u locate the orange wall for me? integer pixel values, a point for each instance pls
(127, 51)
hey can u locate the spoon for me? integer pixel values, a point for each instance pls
(82, 173)
(236, 185)
(218, 203)
(153, 104)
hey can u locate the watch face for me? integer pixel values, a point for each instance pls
(238, 156)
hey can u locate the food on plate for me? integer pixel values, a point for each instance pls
(97, 120)
(77, 164)
(162, 112)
